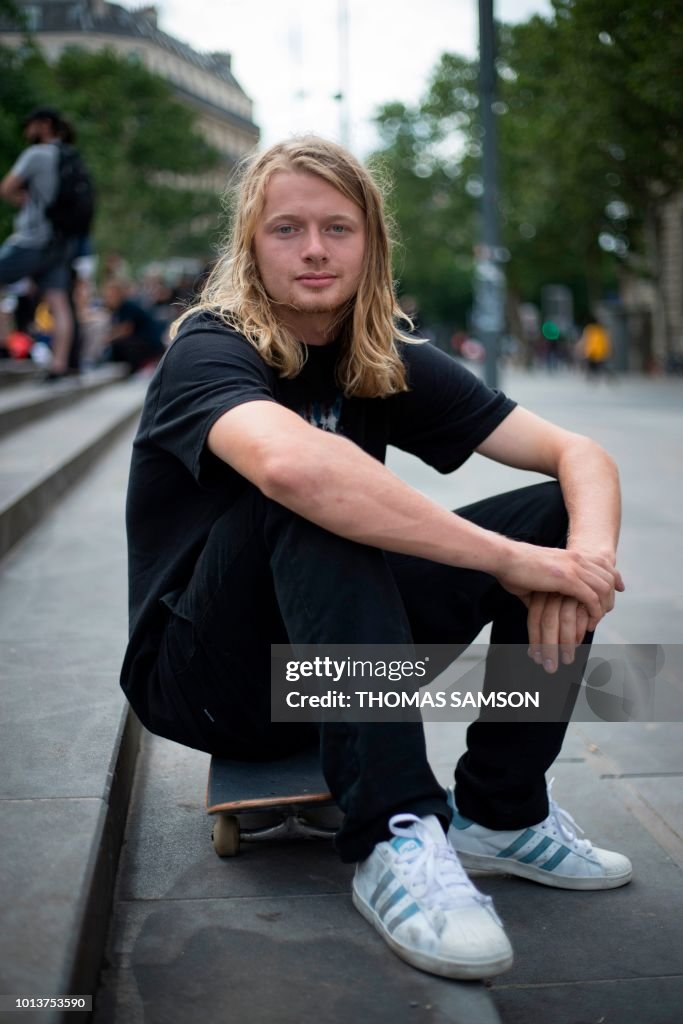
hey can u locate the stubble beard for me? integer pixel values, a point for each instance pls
(319, 306)
(315, 308)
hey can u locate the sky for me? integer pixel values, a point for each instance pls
(286, 54)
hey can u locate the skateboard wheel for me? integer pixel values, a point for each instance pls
(226, 836)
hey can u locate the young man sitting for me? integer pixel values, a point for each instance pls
(259, 512)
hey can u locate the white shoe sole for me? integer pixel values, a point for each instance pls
(508, 866)
(428, 962)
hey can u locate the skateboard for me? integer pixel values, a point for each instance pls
(264, 799)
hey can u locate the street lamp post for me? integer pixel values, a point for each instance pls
(489, 282)
(343, 95)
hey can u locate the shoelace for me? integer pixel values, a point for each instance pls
(561, 821)
(431, 870)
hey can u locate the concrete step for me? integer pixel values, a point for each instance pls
(30, 401)
(268, 936)
(68, 742)
(17, 371)
(40, 461)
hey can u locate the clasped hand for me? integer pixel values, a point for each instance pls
(566, 592)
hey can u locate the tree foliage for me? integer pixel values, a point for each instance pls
(590, 125)
(140, 144)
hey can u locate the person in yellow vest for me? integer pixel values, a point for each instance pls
(596, 348)
(43, 319)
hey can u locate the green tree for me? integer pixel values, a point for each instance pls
(140, 142)
(22, 73)
(628, 62)
(590, 108)
(433, 214)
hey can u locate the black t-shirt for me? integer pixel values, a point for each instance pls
(178, 488)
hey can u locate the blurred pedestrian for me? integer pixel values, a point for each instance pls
(595, 346)
(35, 249)
(135, 336)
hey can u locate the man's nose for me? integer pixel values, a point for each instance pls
(314, 247)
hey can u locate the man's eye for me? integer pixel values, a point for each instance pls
(339, 229)
(284, 229)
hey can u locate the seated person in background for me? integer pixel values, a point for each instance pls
(135, 336)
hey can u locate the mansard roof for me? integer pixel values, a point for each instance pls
(112, 19)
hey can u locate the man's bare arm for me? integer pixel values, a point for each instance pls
(119, 331)
(588, 476)
(13, 189)
(332, 482)
(589, 480)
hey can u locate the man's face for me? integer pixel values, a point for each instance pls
(36, 130)
(309, 246)
(112, 296)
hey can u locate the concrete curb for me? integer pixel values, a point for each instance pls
(101, 423)
(83, 959)
(69, 737)
(29, 403)
(14, 371)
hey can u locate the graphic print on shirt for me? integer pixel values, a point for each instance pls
(324, 415)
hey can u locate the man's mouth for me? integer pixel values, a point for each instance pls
(316, 281)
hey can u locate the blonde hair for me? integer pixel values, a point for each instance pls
(370, 365)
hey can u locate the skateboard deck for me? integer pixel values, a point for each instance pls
(264, 799)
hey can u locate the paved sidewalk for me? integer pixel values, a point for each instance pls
(272, 938)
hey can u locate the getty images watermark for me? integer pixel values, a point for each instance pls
(496, 682)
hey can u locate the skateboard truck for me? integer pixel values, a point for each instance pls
(268, 800)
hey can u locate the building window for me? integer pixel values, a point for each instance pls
(34, 17)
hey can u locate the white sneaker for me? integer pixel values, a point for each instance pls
(549, 853)
(414, 891)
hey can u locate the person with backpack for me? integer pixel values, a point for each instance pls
(53, 190)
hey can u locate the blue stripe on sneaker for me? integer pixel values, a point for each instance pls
(459, 821)
(384, 881)
(407, 912)
(537, 851)
(401, 841)
(551, 864)
(395, 898)
(518, 843)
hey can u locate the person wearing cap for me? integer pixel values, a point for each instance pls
(33, 250)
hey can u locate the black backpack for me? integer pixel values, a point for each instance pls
(71, 211)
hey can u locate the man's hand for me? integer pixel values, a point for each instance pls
(561, 614)
(556, 624)
(566, 592)
(591, 579)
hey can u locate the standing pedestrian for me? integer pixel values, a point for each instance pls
(35, 249)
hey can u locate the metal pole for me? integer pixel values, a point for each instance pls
(344, 123)
(489, 304)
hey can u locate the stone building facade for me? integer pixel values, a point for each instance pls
(204, 81)
(671, 270)
(649, 315)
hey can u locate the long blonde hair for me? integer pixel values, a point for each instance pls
(370, 365)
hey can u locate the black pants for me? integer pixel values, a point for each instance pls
(268, 576)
